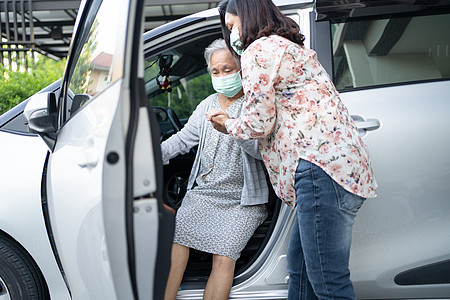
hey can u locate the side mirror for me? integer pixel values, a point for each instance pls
(78, 101)
(42, 115)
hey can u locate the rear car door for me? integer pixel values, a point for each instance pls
(104, 175)
(391, 64)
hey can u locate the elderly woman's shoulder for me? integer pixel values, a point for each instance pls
(206, 103)
(209, 99)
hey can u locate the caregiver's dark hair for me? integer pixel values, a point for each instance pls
(258, 18)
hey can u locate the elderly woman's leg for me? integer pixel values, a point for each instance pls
(221, 278)
(180, 256)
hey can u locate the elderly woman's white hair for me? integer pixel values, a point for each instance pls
(218, 44)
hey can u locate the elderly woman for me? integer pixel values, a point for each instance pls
(227, 188)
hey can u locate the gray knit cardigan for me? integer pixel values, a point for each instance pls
(193, 133)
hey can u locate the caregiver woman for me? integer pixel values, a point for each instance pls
(310, 144)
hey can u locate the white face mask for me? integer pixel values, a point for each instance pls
(235, 41)
(228, 85)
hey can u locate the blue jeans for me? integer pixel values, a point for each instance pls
(319, 247)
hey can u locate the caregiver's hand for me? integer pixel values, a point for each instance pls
(217, 118)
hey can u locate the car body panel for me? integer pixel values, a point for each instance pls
(75, 197)
(332, 9)
(411, 211)
(22, 218)
(96, 174)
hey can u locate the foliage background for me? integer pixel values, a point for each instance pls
(185, 98)
(16, 86)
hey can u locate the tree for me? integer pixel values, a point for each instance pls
(198, 87)
(16, 86)
(80, 80)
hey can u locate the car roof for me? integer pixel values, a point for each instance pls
(336, 9)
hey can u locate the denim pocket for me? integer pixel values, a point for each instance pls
(347, 201)
(304, 168)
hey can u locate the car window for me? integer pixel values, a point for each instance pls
(93, 71)
(186, 94)
(178, 78)
(390, 51)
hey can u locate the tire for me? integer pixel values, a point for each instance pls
(20, 277)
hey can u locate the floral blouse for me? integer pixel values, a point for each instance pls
(294, 110)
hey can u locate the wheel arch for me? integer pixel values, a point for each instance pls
(7, 242)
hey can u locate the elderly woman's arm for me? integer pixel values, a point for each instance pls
(187, 138)
(217, 117)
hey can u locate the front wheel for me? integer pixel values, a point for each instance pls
(20, 277)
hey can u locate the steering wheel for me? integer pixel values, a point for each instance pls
(164, 136)
(174, 120)
(175, 187)
(168, 122)
(176, 174)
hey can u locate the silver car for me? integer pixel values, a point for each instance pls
(87, 206)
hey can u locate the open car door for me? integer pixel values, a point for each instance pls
(103, 178)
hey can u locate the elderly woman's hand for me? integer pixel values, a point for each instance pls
(217, 118)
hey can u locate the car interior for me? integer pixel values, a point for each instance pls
(176, 81)
(386, 51)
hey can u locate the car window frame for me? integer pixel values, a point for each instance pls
(322, 42)
(86, 22)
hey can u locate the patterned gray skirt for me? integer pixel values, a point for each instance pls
(211, 218)
(214, 223)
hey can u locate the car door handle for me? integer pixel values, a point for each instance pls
(88, 165)
(90, 156)
(368, 125)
